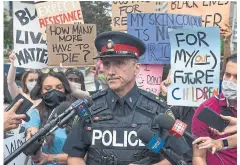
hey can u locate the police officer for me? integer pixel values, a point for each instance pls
(109, 137)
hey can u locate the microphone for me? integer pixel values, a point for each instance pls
(80, 108)
(156, 144)
(176, 128)
(55, 112)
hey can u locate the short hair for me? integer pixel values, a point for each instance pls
(232, 58)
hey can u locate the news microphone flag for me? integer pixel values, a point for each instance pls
(178, 128)
(155, 144)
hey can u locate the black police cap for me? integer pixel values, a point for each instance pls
(119, 44)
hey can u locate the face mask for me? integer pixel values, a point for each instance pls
(53, 98)
(101, 79)
(31, 85)
(229, 89)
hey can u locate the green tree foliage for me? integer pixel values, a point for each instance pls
(8, 32)
(97, 12)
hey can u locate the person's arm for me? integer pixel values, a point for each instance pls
(163, 162)
(226, 33)
(199, 156)
(77, 92)
(12, 86)
(61, 158)
(75, 160)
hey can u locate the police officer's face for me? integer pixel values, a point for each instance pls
(120, 73)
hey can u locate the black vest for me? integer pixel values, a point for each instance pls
(113, 139)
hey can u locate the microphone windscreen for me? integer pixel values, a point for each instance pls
(145, 134)
(89, 102)
(164, 121)
(62, 107)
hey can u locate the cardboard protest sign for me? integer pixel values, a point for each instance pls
(150, 78)
(29, 45)
(120, 9)
(57, 12)
(71, 45)
(12, 141)
(152, 29)
(213, 12)
(195, 65)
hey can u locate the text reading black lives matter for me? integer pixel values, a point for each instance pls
(26, 37)
(70, 42)
(195, 59)
(152, 29)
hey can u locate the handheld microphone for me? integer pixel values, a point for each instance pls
(156, 144)
(176, 128)
(56, 111)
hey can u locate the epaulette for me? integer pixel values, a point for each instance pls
(153, 97)
(99, 93)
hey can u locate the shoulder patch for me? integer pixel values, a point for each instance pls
(98, 94)
(153, 97)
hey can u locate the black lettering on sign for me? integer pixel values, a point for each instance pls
(71, 57)
(162, 31)
(183, 4)
(152, 80)
(198, 77)
(15, 144)
(143, 32)
(24, 16)
(61, 47)
(22, 37)
(31, 54)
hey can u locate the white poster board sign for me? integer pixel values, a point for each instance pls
(29, 46)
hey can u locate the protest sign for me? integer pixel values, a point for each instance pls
(57, 12)
(152, 29)
(29, 45)
(71, 45)
(120, 9)
(195, 65)
(213, 12)
(150, 78)
(12, 141)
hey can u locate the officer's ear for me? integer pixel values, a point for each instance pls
(137, 68)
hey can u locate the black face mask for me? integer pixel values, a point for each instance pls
(53, 98)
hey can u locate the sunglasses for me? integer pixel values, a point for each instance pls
(31, 70)
(48, 70)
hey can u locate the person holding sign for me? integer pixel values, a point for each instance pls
(109, 136)
(29, 79)
(53, 87)
(225, 104)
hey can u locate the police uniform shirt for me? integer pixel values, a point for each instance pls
(78, 143)
(123, 106)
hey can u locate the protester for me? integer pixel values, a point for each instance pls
(29, 79)
(11, 119)
(226, 104)
(77, 84)
(53, 87)
(119, 110)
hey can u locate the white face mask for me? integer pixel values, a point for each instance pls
(229, 89)
(31, 85)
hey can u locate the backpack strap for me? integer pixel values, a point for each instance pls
(225, 111)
